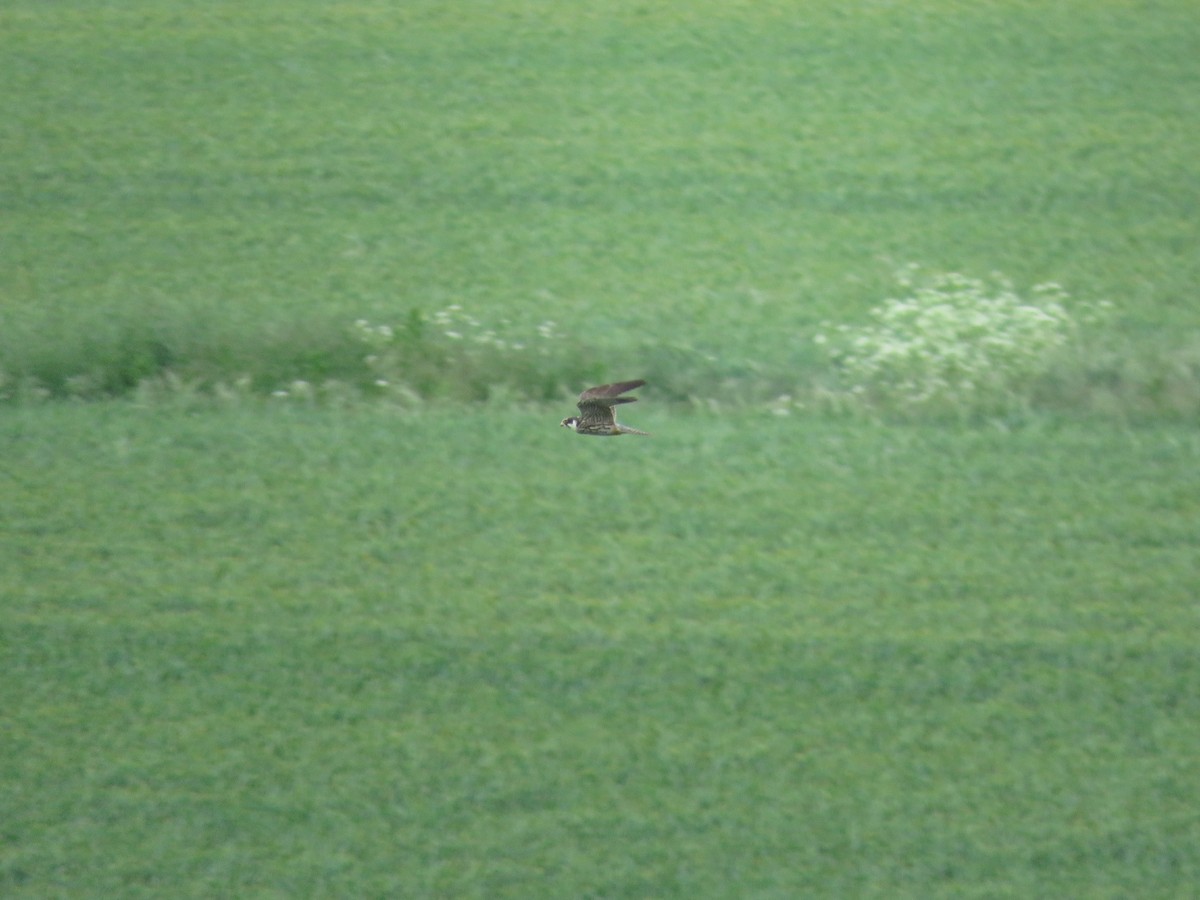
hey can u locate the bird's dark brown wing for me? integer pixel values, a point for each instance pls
(605, 396)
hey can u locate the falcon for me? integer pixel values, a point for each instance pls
(596, 410)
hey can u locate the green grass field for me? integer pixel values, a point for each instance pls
(313, 653)
(269, 628)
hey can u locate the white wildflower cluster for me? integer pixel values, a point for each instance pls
(330, 392)
(451, 334)
(373, 334)
(457, 325)
(954, 338)
(298, 389)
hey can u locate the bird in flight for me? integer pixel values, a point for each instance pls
(596, 410)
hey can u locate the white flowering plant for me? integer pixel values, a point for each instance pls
(452, 353)
(956, 341)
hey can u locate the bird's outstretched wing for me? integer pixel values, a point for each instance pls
(599, 401)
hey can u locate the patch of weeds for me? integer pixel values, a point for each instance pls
(110, 360)
(957, 343)
(22, 389)
(451, 354)
(1106, 378)
(169, 388)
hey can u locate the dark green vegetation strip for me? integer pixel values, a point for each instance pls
(308, 653)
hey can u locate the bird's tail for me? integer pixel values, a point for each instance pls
(625, 429)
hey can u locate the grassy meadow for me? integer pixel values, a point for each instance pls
(292, 652)
(303, 592)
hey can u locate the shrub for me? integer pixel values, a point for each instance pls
(956, 342)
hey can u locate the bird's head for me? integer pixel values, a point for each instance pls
(569, 422)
